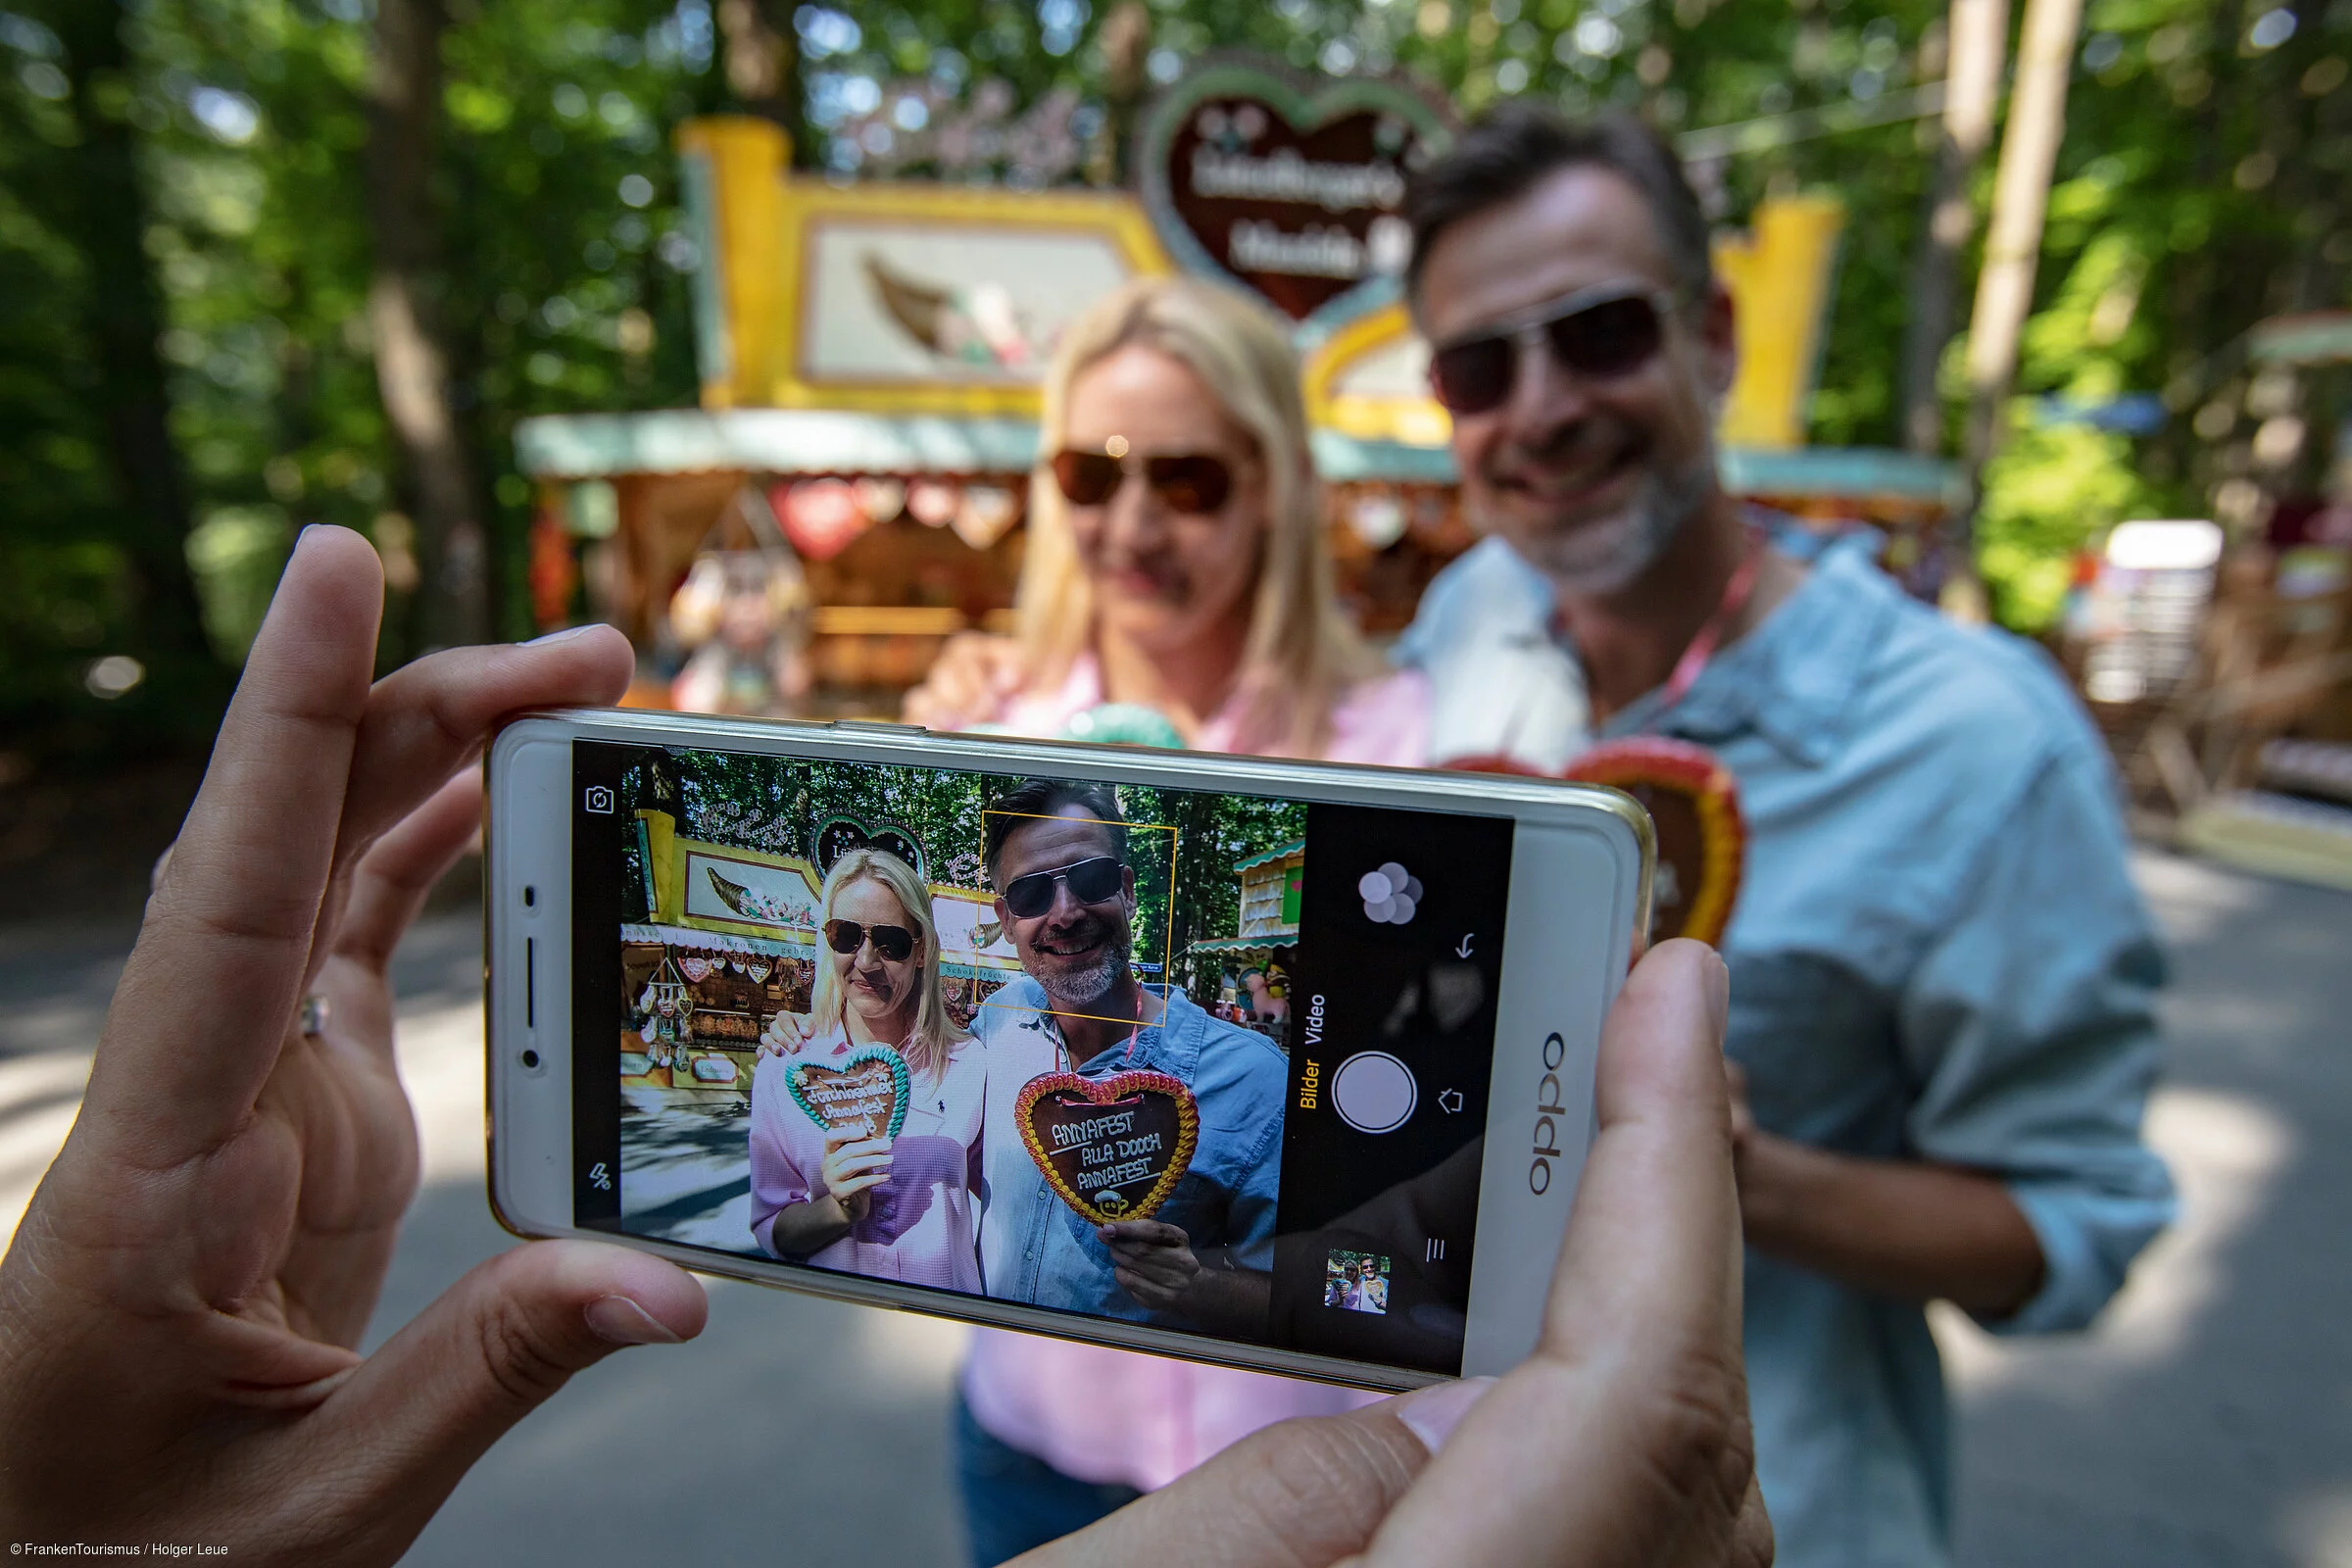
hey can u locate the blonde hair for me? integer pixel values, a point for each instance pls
(935, 1036)
(1300, 652)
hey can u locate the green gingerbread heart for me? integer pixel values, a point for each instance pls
(868, 1092)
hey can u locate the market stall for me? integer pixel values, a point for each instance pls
(871, 357)
(1254, 962)
(2218, 659)
(725, 937)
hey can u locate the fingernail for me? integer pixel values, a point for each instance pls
(1718, 995)
(564, 636)
(1434, 1412)
(623, 1322)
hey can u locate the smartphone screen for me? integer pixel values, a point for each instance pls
(1213, 1062)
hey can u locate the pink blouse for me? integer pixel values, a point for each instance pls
(920, 1225)
(1383, 721)
(1107, 1415)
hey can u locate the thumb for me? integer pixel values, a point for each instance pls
(1298, 1495)
(494, 1347)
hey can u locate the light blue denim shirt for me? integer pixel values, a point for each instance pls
(1937, 954)
(1035, 1249)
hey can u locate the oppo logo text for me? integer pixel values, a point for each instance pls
(1548, 1111)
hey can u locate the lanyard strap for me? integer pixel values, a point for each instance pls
(1736, 595)
(1061, 1049)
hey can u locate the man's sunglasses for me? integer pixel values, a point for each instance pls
(1596, 334)
(894, 942)
(1190, 483)
(1095, 881)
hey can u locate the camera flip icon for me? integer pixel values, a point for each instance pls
(598, 801)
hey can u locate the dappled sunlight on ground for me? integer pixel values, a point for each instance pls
(2225, 1150)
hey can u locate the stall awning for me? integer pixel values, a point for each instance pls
(1260, 943)
(2314, 337)
(986, 967)
(810, 441)
(604, 445)
(1274, 853)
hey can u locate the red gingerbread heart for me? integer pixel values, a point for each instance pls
(1693, 801)
(1111, 1147)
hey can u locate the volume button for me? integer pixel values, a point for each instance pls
(876, 727)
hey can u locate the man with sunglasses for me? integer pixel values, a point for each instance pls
(1941, 1026)
(1058, 854)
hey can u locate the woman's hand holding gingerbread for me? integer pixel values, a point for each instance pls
(854, 1167)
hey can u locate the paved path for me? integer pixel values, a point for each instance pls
(2208, 1421)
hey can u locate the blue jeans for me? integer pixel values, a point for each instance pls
(1013, 1501)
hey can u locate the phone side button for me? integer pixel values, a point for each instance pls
(876, 727)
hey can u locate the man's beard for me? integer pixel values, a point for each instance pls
(1606, 555)
(1073, 989)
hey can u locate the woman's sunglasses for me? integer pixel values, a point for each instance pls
(1596, 334)
(1095, 881)
(1192, 482)
(895, 943)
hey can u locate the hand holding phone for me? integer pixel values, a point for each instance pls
(1623, 1439)
(184, 1299)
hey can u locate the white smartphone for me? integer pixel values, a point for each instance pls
(1271, 1064)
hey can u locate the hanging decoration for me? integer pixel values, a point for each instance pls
(987, 512)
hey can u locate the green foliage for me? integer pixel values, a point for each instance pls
(2048, 495)
(237, 554)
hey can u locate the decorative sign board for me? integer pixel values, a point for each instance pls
(1288, 188)
(744, 891)
(910, 298)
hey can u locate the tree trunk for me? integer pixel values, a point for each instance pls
(1125, 39)
(412, 355)
(764, 69)
(106, 210)
(1979, 34)
(2045, 58)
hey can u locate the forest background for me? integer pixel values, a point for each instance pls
(271, 263)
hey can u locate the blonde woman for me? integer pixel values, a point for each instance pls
(903, 1207)
(1177, 565)
(1176, 559)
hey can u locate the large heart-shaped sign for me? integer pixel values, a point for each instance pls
(1693, 801)
(1111, 1147)
(867, 1094)
(841, 834)
(1251, 177)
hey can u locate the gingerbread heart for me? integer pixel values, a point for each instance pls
(1694, 801)
(1111, 1147)
(867, 1092)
